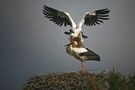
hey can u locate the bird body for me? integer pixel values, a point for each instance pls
(81, 53)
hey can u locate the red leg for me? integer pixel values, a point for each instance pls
(82, 67)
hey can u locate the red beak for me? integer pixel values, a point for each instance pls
(67, 45)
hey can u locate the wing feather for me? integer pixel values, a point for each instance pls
(58, 17)
(94, 18)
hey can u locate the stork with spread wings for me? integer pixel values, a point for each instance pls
(63, 18)
(76, 46)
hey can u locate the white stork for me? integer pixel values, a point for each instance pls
(76, 47)
(81, 53)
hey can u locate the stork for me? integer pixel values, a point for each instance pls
(63, 18)
(76, 46)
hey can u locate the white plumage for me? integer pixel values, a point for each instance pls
(79, 50)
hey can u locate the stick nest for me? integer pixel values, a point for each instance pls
(66, 81)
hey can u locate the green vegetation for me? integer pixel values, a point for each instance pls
(110, 80)
(118, 82)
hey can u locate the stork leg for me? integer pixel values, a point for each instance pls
(82, 67)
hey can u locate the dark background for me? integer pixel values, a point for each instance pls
(32, 45)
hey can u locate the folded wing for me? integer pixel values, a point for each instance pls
(90, 55)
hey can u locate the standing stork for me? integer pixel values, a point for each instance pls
(76, 47)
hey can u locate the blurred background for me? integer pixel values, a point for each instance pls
(32, 45)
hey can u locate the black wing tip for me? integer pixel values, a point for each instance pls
(108, 10)
(98, 58)
(102, 11)
(45, 6)
(53, 15)
(105, 9)
(84, 36)
(67, 33)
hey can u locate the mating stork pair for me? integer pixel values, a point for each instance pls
(76, 47)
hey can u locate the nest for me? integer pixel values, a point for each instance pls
(66, 81)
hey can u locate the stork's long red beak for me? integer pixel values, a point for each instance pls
(68, 45)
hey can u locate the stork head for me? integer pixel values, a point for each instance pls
(73, 36)
(74, 44)
(73, 41)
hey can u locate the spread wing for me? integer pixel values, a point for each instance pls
(58, 17)
(94, 18)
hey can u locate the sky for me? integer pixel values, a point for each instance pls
(31, 45)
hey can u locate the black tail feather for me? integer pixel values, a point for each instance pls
(90, 55)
